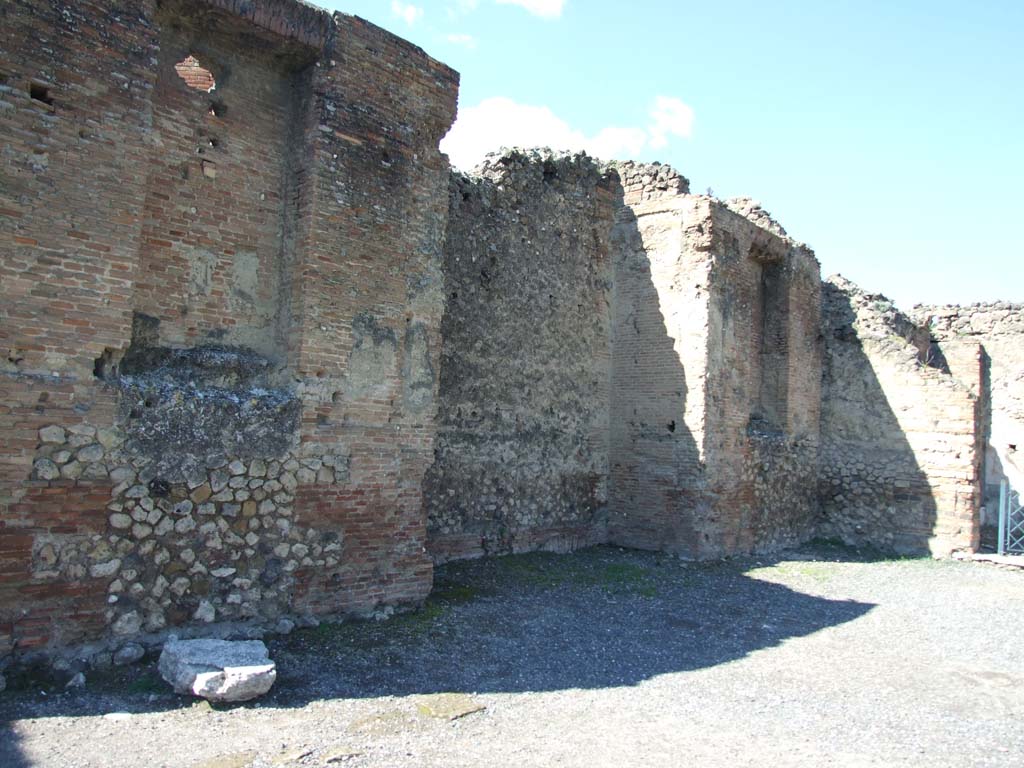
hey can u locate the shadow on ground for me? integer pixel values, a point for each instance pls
(599, 618)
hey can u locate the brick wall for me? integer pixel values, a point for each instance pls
(218, 190)
(659, 352)
(763, 384)
(998, 328)
(522, 454)
(221, 315)
(369, 295)
(75, 130)
(716, 394)
(900, 435)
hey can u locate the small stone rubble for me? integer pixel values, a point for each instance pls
(752, 210)
(649, 181)
(208, 540)
(518, 463)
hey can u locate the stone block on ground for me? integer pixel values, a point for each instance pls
(448, 706)
(218, 670)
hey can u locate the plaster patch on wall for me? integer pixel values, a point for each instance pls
(373, 360)
(417, 371)
(201, 266)
(245, 281)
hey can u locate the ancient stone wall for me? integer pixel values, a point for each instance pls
(264, 355)
(649, 181)
(220, 191)
(715, 387)
(75, 121)
(901, 453)
(221, 314)
(999, 328)
(763, 385)
(522, 450)
(662, 260)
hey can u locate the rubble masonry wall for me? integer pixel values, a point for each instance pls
(522, 447)
(901, 451)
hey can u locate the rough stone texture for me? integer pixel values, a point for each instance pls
(715, 388)
(218, 670)
(221, 315)
(227, 241)
(999, 328)
(522, 454)
(901, 438)
(649, 181)
(695, 366)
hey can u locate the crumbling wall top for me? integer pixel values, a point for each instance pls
(519, 168)
(649, 181)
(849, 309)
(752, 210)
(1001, 318)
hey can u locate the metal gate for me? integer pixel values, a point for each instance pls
(1011, 521)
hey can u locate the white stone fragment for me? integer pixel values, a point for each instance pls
(218, 670)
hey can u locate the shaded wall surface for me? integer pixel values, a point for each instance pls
(522, 447)
(659, 352)
(763, 385)
(998, 328)
(715, 391)
(221, 315)
(265, 355)
(901, 450)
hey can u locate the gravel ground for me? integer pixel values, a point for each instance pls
(820, 657)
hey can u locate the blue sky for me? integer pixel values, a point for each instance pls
(887, 135)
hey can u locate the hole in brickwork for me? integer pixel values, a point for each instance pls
(671, 426)
(195, 75)
(105, 366)
(40, 93)
(218, 109)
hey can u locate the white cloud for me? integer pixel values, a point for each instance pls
(671, 118)
(546, 9)
(466, 41)
(501, 122)
(406, 11)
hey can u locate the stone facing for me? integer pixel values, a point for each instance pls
(267, 356)
(998, 328)
(715, 386)
(208, 540)
(291, 219)
(901, 444)
(522, 452)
